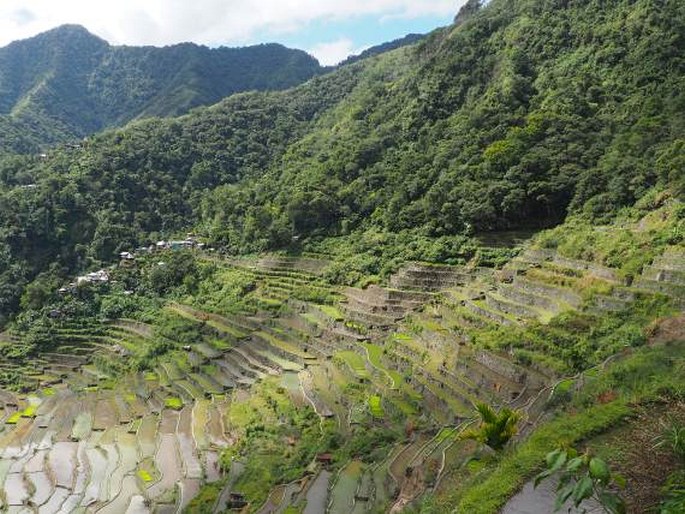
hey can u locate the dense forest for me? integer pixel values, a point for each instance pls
(517, 115)
(66, 83)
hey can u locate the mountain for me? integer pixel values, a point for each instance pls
(408, 285)
(511, 119)
(409, 39)
(67, 83)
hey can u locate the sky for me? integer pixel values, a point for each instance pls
(328, 29)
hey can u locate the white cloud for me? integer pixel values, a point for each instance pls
(211, 22)
(332, 53)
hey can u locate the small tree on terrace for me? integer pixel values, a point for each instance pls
(495, 428)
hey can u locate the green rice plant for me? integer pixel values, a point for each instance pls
(376, 407)
(173, 403)
(355, 362)
(673, 437)
(332, 312)
(145, 476)
(674, 494)
(14, 418)
(30, 411)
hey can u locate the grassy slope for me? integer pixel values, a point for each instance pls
(646, 376)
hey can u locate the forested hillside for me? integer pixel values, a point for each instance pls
(66, 83)
(407, 40)
(512, 118)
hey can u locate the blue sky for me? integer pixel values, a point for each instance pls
(329, 29)
(333, 40)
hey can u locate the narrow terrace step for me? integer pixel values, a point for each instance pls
(298, 326)
(222, 324)
(560, 293)
(424, 277)
(141, 329)
(674, 291)
(499, 303)
(340, 333)
(257, 362)
(657, 273)
(361, 305)
(518, 295)
(482, 309)
(306, 264)
(295, 277)
(495, 383)
(372, 320)
(172, 371)
(287, 284)
(7, 337)
(673, 259)
(501, 366)
(188, 389)
(451, 391)
(235, 366)
(222, 377)
(274, 295)
(207, 351)
(535, 256)
(65, 359)
(325, 346)
(590, 268)
(283, 363)
(602, 303)
(399, 464)
(375, 295)
(247, 324)
(447, 401)
(208, 384)
(285, 349)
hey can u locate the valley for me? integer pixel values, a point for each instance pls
(411, 283)
(363, 392)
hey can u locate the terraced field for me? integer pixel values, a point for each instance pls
(87, 436)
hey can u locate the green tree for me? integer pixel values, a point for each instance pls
(496, 428)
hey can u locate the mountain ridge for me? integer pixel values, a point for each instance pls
(67, 83)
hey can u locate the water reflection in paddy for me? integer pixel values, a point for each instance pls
(42, 486)
(54, 506)
(193, 468)
(16, 492)
(317, 496)
(62, 462)
(147, 435)
(167, 462)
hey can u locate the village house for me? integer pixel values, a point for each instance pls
(95, 277)
(180, 245)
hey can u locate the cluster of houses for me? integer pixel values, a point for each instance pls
(95, 277)
(102, 276)
(189, 242)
